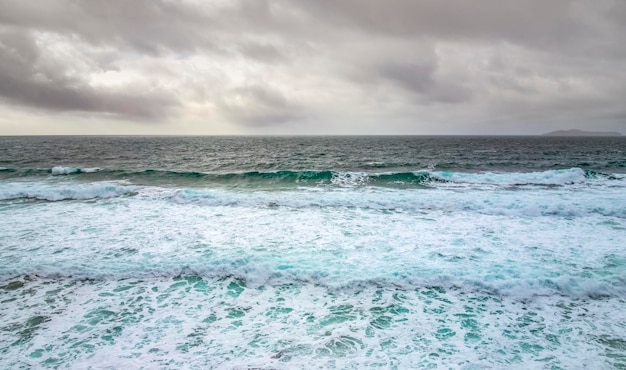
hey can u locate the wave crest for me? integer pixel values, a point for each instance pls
(317, 178)
(56, 171)
(54, 193)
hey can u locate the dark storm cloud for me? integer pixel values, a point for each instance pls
(26, 79)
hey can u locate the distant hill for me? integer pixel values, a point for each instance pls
(581, 133)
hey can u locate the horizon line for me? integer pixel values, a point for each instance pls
(609, 134)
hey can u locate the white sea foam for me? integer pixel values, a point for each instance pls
(552, 177)
(343, 277)
(60, 170)
(349, 179)
(404, 245)
(208, 323)
(564, 177)
(52, 191)
(570, 202)
(63, 170)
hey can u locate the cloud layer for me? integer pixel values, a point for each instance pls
(323, 67)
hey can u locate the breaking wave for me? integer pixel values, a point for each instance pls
(55, 171)
(56, 192)
(291, 178)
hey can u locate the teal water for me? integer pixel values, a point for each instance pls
(329, 252)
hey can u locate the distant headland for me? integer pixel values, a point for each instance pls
(581, 133)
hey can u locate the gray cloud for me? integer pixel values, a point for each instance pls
(531, 22)
(262, 51)
(256, 105)
(28, 79)
(417, 77)
(295, 63)
(420, 78)
(144, 26)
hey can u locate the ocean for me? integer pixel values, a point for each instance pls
(312, 252)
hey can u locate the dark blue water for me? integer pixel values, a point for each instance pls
(362, 153)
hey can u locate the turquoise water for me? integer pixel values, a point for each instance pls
(312, 253)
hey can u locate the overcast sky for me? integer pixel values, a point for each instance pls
(311, 67)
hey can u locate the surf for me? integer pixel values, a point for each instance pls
(324, 178)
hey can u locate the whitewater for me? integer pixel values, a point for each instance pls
(327, 252)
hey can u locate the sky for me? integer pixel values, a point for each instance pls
(325, 67)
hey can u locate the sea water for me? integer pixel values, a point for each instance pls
(312, 252)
